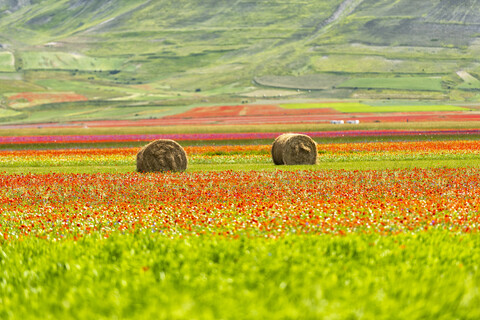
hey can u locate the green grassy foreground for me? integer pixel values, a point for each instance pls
(430, 275)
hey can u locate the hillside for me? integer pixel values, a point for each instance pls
(181, 52)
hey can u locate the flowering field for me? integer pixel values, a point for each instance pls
(240, 155)
(28, 99)
(82, 239)
(43, 139)
(233, 204)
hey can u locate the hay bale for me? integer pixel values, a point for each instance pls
(162, 155)
(294, 148)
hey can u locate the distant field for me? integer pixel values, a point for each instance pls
(315, 81)
(358, 63)
(68, 61)
(470, 82)
(87, 88)
(16, 86)
(363, 108)
(6, 113)
(96, 89)
(333, 105)
(28, 99)
(401, 83)
(93, 112)
(7, 62)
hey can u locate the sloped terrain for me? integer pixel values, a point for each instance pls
(152, 53)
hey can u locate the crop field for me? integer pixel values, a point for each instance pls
(352, 107)
(137, 110)
(69, 61)
(8, 113)
(374, 64)
(469, 81)
(7, 62)
(373, 230)
(29, 99)
(10, 86)
(403, 83)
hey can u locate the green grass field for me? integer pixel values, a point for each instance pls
(7, 113)
(352, 107)
(400, 83)
(107, 111)
(431, 275)
(359, 63)
(68, 61)
(15, 86)
(7, 62)
(469, 81)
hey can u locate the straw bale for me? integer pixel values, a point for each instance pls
(162, 155)
(294, 148)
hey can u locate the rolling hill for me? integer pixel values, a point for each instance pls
(169, 53)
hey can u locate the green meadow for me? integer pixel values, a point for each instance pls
(426, 275)
(353, 107)
(401, 83)
(469, 82)
(8, 113)
(69, 61)
(7, 62)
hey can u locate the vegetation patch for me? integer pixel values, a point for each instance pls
(28, 99)
(8, 113)
(130, 275)
(67, 61)
(364, 108)
(305, 82)
(358, 62)
(469, 81)
(333, 105)
(7, 62)
(400, 83)
(10, 87)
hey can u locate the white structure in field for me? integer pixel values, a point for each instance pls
(342, 122)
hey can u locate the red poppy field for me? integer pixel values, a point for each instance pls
(237, 203)
(80, 230)
(234, 204)
(38, 98)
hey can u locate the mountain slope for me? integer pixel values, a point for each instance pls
(200, 49)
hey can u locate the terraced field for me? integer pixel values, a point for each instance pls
(7, 62)
(67, 61)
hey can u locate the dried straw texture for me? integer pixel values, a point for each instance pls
(162, 155)
(294, 148)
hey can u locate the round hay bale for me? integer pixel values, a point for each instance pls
(294, 148)
(162, 155)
